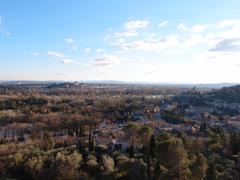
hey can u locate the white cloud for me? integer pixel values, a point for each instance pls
(62, 74)
(69, 40)
(62, 58)
(227, 45)
(106, 61)
(34, 53)
(126, 34)
(228, 22)
(138, 24)
(74, 48)
(3, 29)
(100, 50)
(198, 28)
(107, 37)
(151, 44)
(182, 27)
(67, 61)
(8, 33)
(87, 50)
(117, 42)
(55, 54)
(163, 24)
(120, 40)
(194, 38)
(194, 29)
(130, 29)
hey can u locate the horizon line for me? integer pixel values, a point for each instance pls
(122, 82)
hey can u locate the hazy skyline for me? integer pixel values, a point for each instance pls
(137, 40)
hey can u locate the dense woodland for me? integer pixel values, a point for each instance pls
(166, 156)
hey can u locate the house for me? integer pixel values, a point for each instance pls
(119, 145)
(199, 109)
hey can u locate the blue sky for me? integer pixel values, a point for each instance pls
(138, 40)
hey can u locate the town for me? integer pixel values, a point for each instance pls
(110, 118)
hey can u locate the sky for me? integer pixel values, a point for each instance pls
(124, 40)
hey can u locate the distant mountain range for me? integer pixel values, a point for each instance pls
(212, 85)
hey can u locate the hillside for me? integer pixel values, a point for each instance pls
(228, 94)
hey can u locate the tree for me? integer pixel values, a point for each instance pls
(35, 166)
(108, 164)
(199, 167)
(131, 150)
(145, 133)
(80, 146)
(48, 142)
(93, 168)
(131, 169)
(235, 143)
(171, 154)
(131, 130)
(150, 155)
(152, 145)
(211, 172)
(90, 138)
(68, 164)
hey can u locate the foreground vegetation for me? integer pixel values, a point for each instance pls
(166, 156)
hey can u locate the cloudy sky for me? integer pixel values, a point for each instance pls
(139, 40)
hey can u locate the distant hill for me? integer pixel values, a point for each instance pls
(229, 94)
(63, 85)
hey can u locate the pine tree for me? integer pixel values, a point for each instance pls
(211, 172)
(152, 145)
